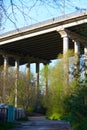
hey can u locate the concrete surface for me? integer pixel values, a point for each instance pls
(40, 123)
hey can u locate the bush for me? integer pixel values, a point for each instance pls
(54, 116)
(76, 107)
(7, 126)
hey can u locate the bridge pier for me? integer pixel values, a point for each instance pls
(85, 59)
(66, 60)
(16, 80)
(5, 77)
(65, 34)
(65, 37)
(37, 78)
(45, 79)
(76, 59)
(28, 73)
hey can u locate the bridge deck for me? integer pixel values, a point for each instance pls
(42, 42)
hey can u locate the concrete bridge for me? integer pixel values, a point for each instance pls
(42, 42)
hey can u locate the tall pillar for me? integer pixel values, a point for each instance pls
(65, 45)
(5, 77)
(65, 57)
(85, 54)
(37, 78)
(28, 76)
(28, 72)
(16, 80)
(65, 37)
(45, 78)
(77, 59)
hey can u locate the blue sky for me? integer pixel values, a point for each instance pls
(39, 12)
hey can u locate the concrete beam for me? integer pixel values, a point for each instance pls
(72, 35)
(27, 58)
(54, 25)
(76, 37)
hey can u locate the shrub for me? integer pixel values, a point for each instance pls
(76, 107)
(54, 116)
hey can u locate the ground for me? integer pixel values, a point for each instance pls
(40, 123)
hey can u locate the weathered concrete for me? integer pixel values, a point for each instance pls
(40, 123)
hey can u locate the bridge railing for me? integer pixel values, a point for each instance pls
(55, 19)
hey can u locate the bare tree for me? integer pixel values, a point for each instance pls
(9, 9)
(1, 13)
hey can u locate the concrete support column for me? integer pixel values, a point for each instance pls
(5, 77)
(77, 59)
(66, 61)
(65, 45)
(85, 54)
(65, 37)
(16, 80)
(37, 78)
(45, 78)
(28, 72)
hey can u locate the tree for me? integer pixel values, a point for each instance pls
(9, 8)
(53, 100)
(76, 106)
(26, 92)
(62, 98)
(9, 82)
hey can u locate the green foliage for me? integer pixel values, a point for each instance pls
(7, 126)
(24, 119)
(76, 106)
(30, 109)
(54, 99)
(26, 93)
(25, 89)
(54, 116)
(66, 102)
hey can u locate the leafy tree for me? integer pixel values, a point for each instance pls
(76, 106)
(53, 101)
(8, 85)
(26, 92)
(66, 102)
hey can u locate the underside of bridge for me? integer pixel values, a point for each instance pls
(42, 42)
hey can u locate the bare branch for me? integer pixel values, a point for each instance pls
(12, 6)
(9, 18)
(9, 9)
